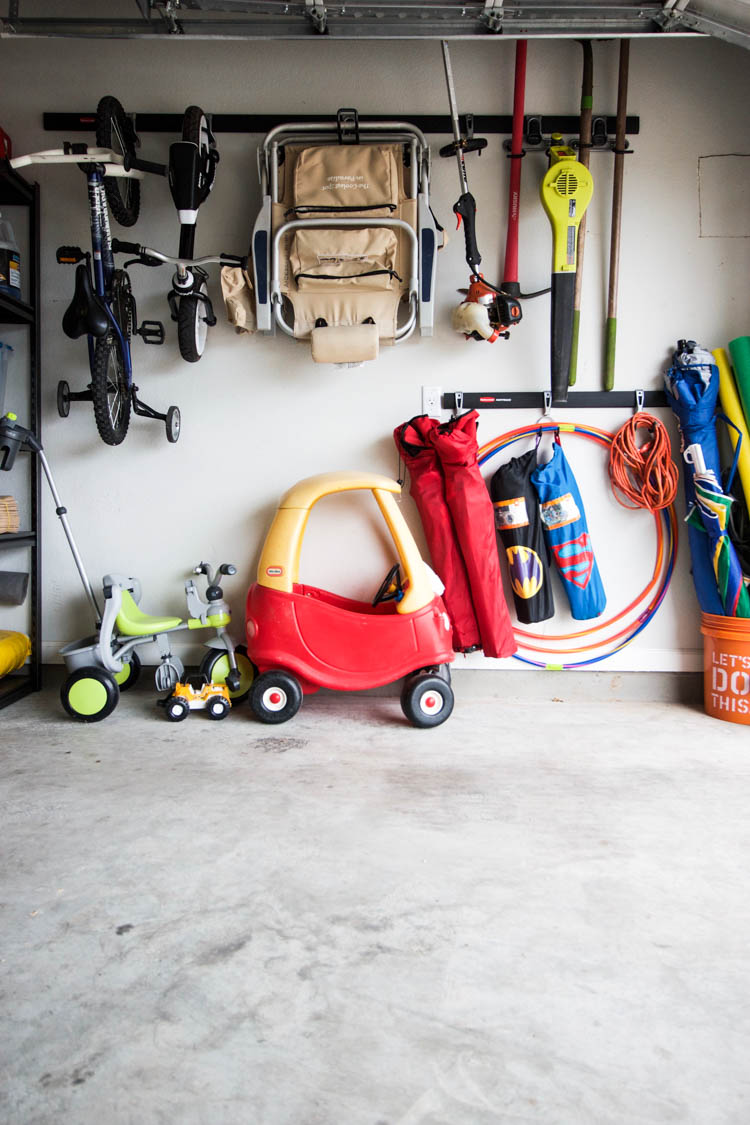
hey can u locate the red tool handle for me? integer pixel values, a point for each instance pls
(510, 271)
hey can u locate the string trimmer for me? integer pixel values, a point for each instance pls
(487, 311)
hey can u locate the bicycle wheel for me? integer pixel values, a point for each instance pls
(191, 327)
(114, 130)
(195, 129)
(110, 390)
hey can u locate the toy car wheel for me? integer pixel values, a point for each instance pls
(63, 399)
(426, 700)
(215, 667)
(130, 672)
(218, 708)
(176, 710)
(89, 694)
(275, 697)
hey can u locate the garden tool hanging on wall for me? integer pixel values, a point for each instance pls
(584, 155)
(614, 252)
(486, 312)
(566, 192)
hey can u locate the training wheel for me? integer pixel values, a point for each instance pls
(173, 424)
(63, 399)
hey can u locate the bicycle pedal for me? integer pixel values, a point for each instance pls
(70, 255)
(152, 332)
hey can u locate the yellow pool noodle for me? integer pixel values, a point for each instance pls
(730, 404)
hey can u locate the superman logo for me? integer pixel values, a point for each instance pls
(575, 560)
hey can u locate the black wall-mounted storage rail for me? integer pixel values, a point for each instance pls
(263, 123)
(542, 401)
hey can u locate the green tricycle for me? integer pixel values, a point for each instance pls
(105, 663)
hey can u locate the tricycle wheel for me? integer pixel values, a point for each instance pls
(176, 709)
(215, 667)
(426, 700)
(89, 694)
(275, 697)
(130, 672)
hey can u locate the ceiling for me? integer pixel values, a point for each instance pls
(376, 19)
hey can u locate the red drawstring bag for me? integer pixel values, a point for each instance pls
(471, 509)
(427, 488)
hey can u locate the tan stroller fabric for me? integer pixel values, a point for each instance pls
(237, 291)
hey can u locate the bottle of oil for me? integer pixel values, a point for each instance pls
(10, 261)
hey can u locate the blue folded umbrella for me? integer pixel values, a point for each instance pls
(692, 389)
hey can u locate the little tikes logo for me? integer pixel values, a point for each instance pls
(274, 571)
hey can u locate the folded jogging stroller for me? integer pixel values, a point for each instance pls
(344, 250)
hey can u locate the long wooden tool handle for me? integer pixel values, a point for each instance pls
(584, 156)
(614, 252)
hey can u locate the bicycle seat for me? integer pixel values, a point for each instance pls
(133, 622)
(86, 314)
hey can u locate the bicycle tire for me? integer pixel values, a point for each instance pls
(110, 392)
(114, 130)
(195, 129)
(191, 328)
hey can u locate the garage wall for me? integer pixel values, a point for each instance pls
(258, 415)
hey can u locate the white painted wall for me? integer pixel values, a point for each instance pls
(258, 415)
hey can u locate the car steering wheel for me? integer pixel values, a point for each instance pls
(393, 577)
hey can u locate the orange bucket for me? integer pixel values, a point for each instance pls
(726, 667)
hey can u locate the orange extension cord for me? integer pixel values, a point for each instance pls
(644, 473)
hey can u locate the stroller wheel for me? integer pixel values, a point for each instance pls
(89, 694)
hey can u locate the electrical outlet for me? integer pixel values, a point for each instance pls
(431, 397)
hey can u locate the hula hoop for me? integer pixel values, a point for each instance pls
(660, 579)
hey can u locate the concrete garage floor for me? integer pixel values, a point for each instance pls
(535, 913)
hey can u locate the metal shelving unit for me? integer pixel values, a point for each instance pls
(16, 191)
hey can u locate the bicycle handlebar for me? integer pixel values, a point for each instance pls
(144, 253)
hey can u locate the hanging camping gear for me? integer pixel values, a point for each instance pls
(480, 315)
(656, 590)
(427, 488)
(566, 192)
(584, 155)
(471, 508)
(518, 521)
(567, 535)
(620, 150)
(692, 388)
(711, 513)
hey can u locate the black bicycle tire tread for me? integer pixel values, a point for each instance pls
(108, 108)
(191, 124)
(186, 330)
(107, 432)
